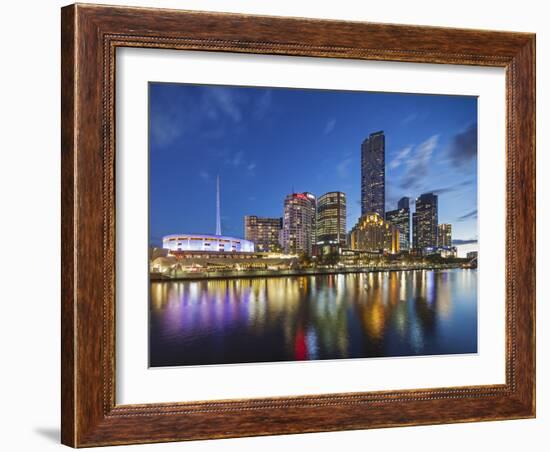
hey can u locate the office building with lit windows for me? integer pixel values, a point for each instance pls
(331, 219)
(299, 219)
(373, 174)
(401, 219)
(425, 221)
(372, 233)
(444, 235)
(404, 203)
(263, 232)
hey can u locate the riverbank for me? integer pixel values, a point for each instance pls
(300, 272)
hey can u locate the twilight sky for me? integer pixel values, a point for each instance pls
(267, 142)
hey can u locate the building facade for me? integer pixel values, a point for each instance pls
(471, 255)
(206, 242)
(404, 203)
(444, 235)
(373, 234)
(401, 219)
(298, 233)
(373, 174)
(425, 222)
(177, 264)
(331, 219)
(263, 232)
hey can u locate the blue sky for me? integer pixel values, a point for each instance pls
(266, 142)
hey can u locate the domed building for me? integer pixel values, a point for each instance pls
(206, 242)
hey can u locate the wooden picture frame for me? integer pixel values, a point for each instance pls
(90, 36)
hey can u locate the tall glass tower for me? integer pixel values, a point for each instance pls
(401, 219)
(425, 221)
(373, 174)
(331, 219)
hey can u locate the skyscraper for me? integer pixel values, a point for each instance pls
(403, 203)
(331, 219)
(425, 222)
(373, 173)
(264, 232)
(298, 235)
(401, 219)
(444, 235)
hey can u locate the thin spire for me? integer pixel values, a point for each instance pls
(218, 217)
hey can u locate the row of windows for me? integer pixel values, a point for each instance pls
(203, 239)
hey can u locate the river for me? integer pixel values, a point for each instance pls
(291, 318)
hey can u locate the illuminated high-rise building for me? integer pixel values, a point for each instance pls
(298, 234)
(425, 222)
(331, 219)
(263, 232)
(373, 233)
(401, 219)
(404, 203)
(373, 174)
(444, 235)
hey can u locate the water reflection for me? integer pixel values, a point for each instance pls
(313, 317)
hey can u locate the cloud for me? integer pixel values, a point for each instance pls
(263, 104)
(170, 119)
(418, 165)
(464, 242)
(400, 157)
(451, 188)
(213, 112)
(237, 159)
(204, 175)
(468, 216)
(222, 101)
(164, 130)
(329, 126)
(343, 168)
(408, 119)
(463, 148)
(443, 190)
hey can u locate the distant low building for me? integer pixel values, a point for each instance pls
(178, 264)
(471, 255)
(357, 258)
(443, 251)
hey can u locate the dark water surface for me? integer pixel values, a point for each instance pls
(423, 312)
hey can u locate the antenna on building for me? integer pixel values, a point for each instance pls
(218, 217)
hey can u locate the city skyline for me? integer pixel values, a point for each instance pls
(448, 157)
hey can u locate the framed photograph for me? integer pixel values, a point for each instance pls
(281, 225)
